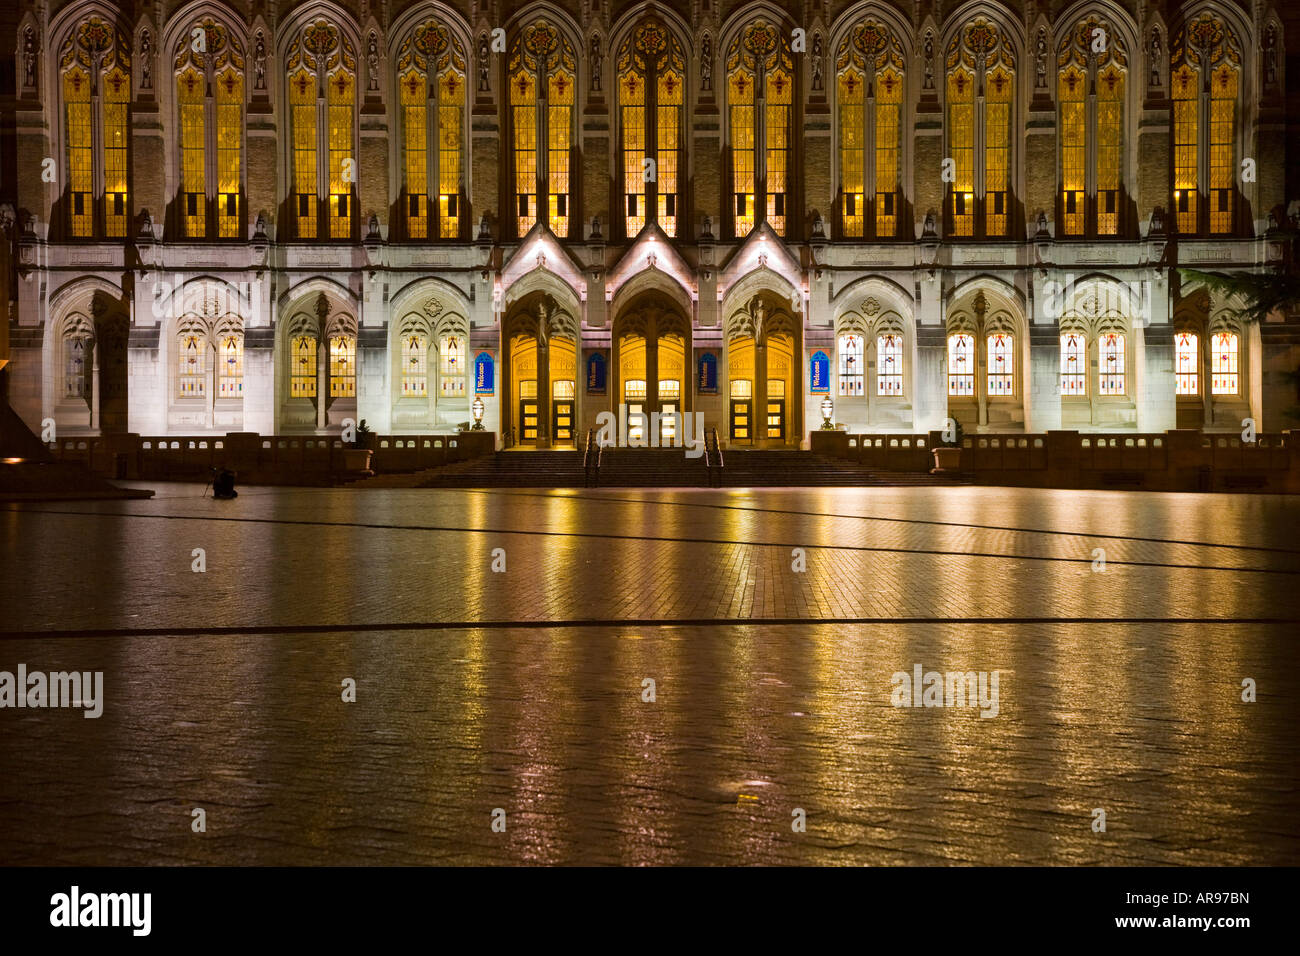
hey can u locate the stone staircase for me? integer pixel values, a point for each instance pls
(654, 468)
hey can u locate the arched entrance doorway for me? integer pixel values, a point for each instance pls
(652, 340)
(541, 368)
(763, 376)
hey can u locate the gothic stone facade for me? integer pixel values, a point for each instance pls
(274, 216)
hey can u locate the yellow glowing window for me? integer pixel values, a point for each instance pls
(1223, 357)
(523, 105)
(780, 97)
(230, 152)
(415, 358)
(193, 133)
(343, 366)
(192, 376)
(1223, 132)
(1110, 148)
(230, 371)
(889, 103)
(889, 364)
(634, 390)
(1187, 364)
(302, 109)
(1074, 364)
(998, 94)
(451, 360)
(559, 123)
(740, 102)
(117, 100)
(961, 149)
(1001, 364)
(1071, 94)
(670, 87)
(81, 166)
(1110, 358)
(451, 92)
(961, 364)
(302, 375)
(342, 163)
(1184, 82)
(852, 99)
(415, 153)
(742, 388)
(632, 103)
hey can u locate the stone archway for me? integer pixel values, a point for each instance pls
(651, 368)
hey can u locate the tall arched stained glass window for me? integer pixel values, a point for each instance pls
(1002, 364)
(343, 365)
(95, 66)
(852, 365)
(210, 110)
(192, 374)
(321, 69)
(869, 86)
(889, 364)
(1092, 66)
(1110, 363)
(651, 84)
(1074, 363)
(302, 375)
(1223, 367)
(961, 364)
(1205, 70)
(760, 118)
(1187, 364)
(451, 366)
(415, 365)
(230, 371)
(542, 73)
(980, 90)
(431, 90)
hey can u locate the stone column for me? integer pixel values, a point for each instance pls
(322, 362)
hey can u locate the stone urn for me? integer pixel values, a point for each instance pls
(945, 459)
(356, 459)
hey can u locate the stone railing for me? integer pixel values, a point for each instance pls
(1178, 460)
(275, 459)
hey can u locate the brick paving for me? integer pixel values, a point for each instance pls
(1119, 689)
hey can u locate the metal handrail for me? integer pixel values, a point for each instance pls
(591, 460)
(713, 462)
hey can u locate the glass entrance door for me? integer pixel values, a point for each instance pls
(670, 394)
(528, 412)
(742, 411)
(776, 408)
(562, 413)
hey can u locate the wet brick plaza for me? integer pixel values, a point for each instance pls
(522, 689)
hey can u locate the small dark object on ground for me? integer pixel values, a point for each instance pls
(223, 484)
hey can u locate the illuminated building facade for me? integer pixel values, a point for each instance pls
(272, 217)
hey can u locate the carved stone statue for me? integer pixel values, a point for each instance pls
(259, 64)
(1270, 56)
(1155, 58)
(929, 62)
(483, 86)
(1040, 61)
(595, 227)
(29, 59)
(706, 229)
(706, 64)
(597, 58)
(817, 62)
(372, 62)
(146, 61)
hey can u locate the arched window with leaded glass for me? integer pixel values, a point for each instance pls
(651, 73)
(321, 80)
(1205, 77)
(980, 92)
(95, 73)
(760, 124)
(431, 91)
(542, 75)
(869, 91)
(210, 126)
(1092, 70)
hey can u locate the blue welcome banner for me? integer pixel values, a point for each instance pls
(596, 369)
(819, 373)
(484, 374)
(708, 383)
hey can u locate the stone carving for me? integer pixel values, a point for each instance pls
(483, 86)
(817, 62)
(29, 59)
(146, 61)
(1155, 58)
(372, 63)
(929, 62)
(1040, 60)
(706, 64)
(1270, 55)
(259, 63)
